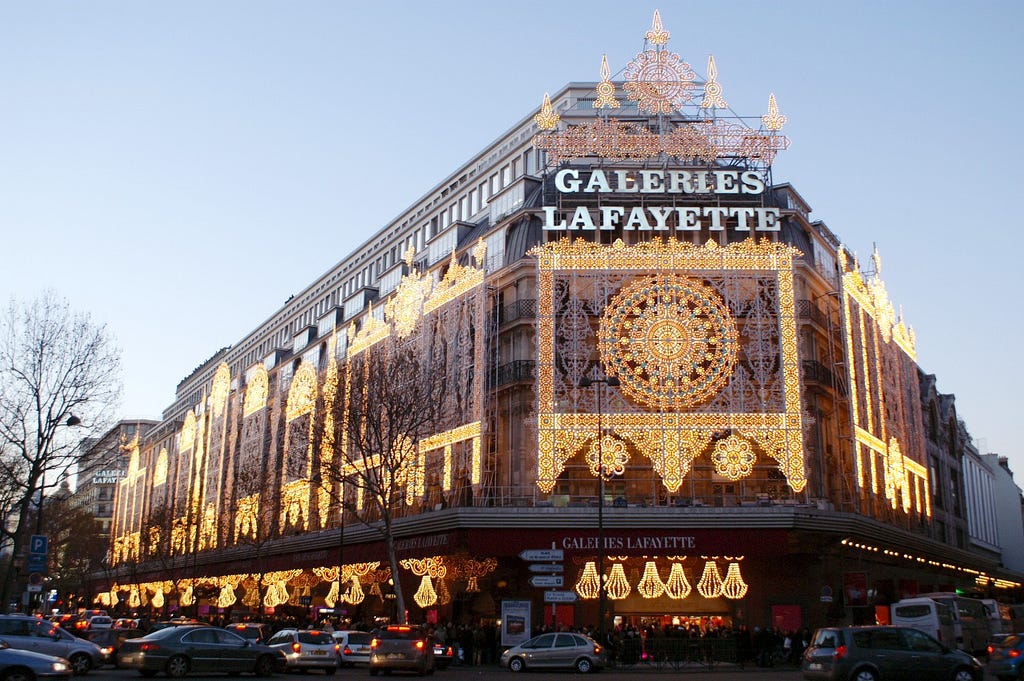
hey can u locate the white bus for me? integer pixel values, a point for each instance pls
(967, 627)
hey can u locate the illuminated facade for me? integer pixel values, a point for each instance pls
(762, 439)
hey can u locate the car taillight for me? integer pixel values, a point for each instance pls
(337, 648)
(107, 650)
(840, 653)
(297, 647)
(990, 649)
(347, 651)
(1013, 653)
(149, 647)
(375, 643)
(597, 649)
(420, 645)
(449, 651)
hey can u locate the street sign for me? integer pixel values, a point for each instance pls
(37, 562)
(542, 554)
(39, 543)
(547, 580)
(35, 579)
(546, 567)
(35, 588)
(559, 596)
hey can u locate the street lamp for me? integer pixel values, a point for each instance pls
(586, 382)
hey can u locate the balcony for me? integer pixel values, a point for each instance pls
(816, 373)
(520, 309)
(512, 372)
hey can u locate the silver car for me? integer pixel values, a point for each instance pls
(307, 649)
(555, 651)
(42, 636)
(24, 665)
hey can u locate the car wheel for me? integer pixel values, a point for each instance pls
(963, 674)
(584, 666)
(516, 664)
(80, 663)
(865, 675)
(18, 674)
(177, 666)
(265, 666)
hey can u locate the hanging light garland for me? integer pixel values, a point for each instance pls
(734, 587)
(425, 595)
(710, 584)
(650, 585)
(587, 586)
(677, 586)
(617, 586)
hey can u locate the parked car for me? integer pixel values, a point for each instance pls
(257, 632)
(24, 665)
(1006, 658)
(110, 640)
(555, 651)
(401, 647)
(42, 636)
(355, 647)
(884, 652)
(178, 622)
(100, 622)
(179, 650)
(444, 653)
(307, 649)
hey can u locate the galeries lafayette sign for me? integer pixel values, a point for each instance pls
(608, 185)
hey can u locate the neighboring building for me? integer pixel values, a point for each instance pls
(1009, 502)
(981, 501)
(764, 457)
(102, 464)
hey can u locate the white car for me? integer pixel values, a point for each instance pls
(100, 622)
(355, 647)
(307, 649)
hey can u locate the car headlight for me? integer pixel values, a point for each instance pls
(59, 667)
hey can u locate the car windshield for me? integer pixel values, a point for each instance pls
(359, 638)
(828, 638)
(315, 638)
(400, 633)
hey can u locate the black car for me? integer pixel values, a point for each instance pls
(180, 650)
(110, 640)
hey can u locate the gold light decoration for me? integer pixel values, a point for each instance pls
(547, 119)
(134, 600)
(187, 436)
(404, 309)
(332, 597)
(773, 120)
(710, 584)
(187, 597)
(226, 598)
(474, 569)
(650, 585)
(611, 138)
(160, 469)
(425, 596)
(712, 90)
(220, 390)
(607, 456)
(734, 587)
(302, 393)
(733, 458)
(256, 391)
(677, 586)
(657, 35)
(588, 584)
(444, 597)
(670, 339)
(247, 516)
(606, 88)
(617, 586)
(158, 599)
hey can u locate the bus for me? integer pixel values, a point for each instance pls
(969, 628)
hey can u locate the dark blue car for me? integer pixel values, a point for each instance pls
(1006, 659)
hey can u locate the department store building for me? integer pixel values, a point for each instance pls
(654, 365)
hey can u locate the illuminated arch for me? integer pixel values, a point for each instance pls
(257, 390)
(220, 390)
(302, 394)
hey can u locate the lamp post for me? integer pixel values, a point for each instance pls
(586, 382)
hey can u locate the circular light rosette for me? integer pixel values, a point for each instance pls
(670, 340)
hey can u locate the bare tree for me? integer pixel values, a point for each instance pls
(57, 368)
(394, 397)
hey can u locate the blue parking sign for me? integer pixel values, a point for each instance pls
(39, 543)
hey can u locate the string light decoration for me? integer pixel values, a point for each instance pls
(657, 35)
(712, 90)
(733, 458)
(444, 597)
(733, 587)
(425, 596)
(588, 585)
(606, 88)
(659, 81)
(617, 586)
(220, 390)
(160, 469)
(607, 456)
(710, 584)
(773, 120)
(474, 569)
(546, 119)
(677, 586)
(650, 584)
(187, 597)
(670, 340)
(743, 273)
(256, 391)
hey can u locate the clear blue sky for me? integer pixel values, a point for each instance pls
(180, 168)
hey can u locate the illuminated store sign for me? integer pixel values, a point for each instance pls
(572, 182)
